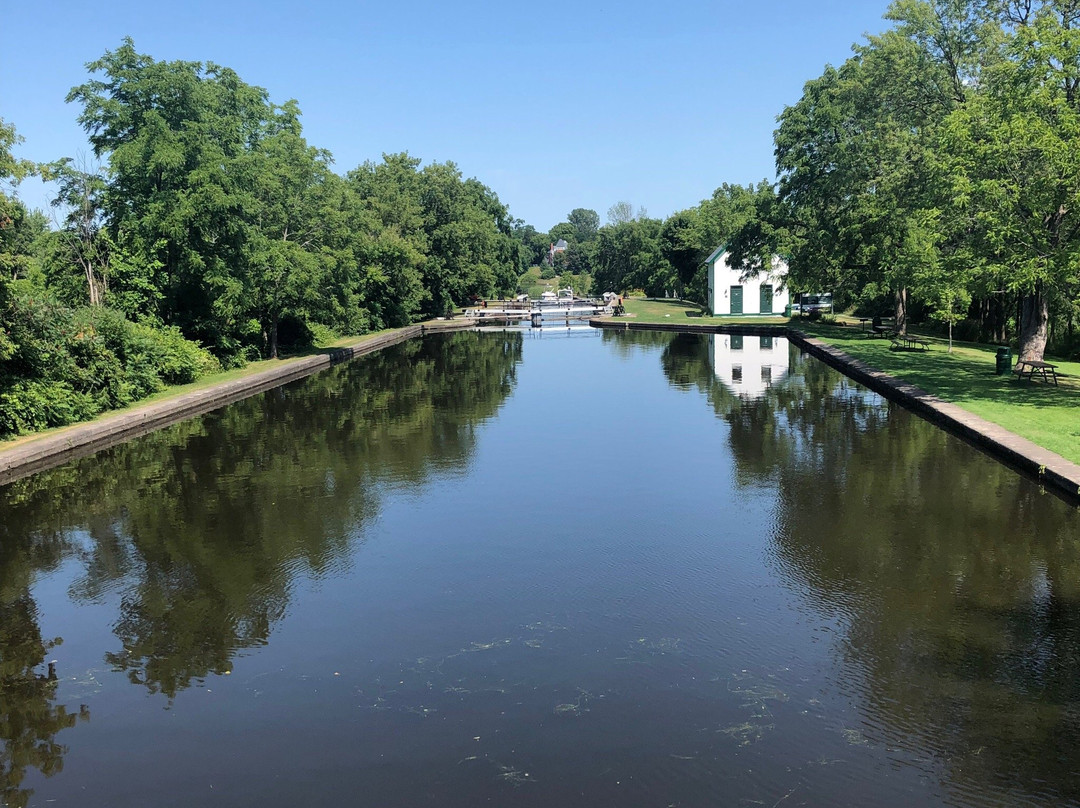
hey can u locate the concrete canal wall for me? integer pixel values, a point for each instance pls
(79, 440)
(1051, 470)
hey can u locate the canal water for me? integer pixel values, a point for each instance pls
(568, 568)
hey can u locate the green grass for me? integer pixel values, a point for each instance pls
(682, 313)
(1042, 413)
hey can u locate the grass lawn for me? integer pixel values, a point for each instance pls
(1042, 413)
(206, 381)
(681, 313)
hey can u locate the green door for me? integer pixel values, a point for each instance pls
(766, 299)
(736, 300)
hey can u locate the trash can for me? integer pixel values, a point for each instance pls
(1004, 360)
(787, 310)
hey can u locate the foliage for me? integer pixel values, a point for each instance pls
(63, 365)
(244, 225)
(938, 165)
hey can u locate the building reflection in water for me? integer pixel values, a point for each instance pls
(748, 365)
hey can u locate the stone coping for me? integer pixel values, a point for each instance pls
(1051, 470)
(79, 440)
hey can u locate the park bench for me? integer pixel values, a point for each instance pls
(1031, 367)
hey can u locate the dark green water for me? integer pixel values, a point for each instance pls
(576, 569)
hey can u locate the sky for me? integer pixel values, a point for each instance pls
(554, 106)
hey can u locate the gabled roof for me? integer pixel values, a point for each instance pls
(716, 253)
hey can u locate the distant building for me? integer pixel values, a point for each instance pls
(732, 296)
(557, 247)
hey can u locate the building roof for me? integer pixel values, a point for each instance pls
(716, 253)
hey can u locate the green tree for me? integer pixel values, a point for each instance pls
(284, 268)
(80, 193)
(177, 137)
(586, 223)
(1014, 166)
(14, 217)
(857, 155)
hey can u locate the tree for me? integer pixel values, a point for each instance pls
(585, 222)
(628, 257)
(620, 213)
(284, 271)
(13, 214)
(80, 193)
(177, 136)
(563, 230)
(1015, 169)
(857, 154)
(681, 245)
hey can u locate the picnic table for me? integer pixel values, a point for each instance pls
(907, 342)
(1031, 367)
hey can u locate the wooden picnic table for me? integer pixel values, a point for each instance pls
(908, 342)
(1031, 367)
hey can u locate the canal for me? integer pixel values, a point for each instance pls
(542, 568)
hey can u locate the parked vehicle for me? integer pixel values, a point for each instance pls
(809, 303)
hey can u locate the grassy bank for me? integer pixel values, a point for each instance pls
(680, 312)
(205, 382)
(1042, 413)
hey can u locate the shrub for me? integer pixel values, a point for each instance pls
(64, 365)
(30, 406)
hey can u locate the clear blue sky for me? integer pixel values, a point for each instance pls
(553, 105)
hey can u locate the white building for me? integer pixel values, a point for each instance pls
(730, 295)
(749, 365)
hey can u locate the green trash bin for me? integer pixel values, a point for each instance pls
(1004, 360)
(787, 310)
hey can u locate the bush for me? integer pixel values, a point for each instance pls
(65, 365)
(30, 406)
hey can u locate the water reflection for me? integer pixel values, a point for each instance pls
(958, 580)
(748, 365)
(202, 527)
(810, 597)
(29, 717)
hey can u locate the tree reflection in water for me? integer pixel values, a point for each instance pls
(29, 717)
(958, 579)
(204, 526)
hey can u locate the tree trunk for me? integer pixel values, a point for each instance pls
(901, 310)
(273, 337)
(1034, 318)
